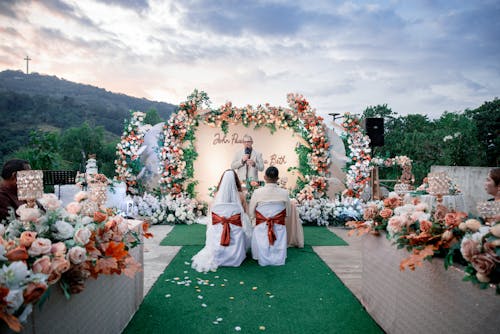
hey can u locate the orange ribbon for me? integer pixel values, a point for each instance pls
(225, 238)
(277, 219)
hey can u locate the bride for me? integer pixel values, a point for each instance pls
(229, 230)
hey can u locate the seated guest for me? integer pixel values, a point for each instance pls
(492, 184)
(8, 186)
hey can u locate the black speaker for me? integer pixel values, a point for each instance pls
(375, 130)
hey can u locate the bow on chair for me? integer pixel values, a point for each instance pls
(225, 238)
(277, 219)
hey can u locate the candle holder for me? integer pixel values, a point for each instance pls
(488, 210)
(98, 192)
(439, 185)
(29, 186)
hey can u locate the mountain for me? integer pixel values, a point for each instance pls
(34, 101)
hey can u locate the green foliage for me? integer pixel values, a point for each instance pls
(152, 117)
(470, 138)
(42, 151)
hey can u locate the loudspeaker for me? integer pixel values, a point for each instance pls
(375, 130)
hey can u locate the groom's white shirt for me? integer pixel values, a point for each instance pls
(270, 192)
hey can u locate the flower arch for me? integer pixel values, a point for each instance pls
(177, 151)
(127, 162)
(358, 149)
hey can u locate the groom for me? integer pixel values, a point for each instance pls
(270, 192)
(247, 162)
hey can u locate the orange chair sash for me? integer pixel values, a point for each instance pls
(225, 238)
(277, 219)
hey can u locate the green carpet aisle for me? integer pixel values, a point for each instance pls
(304, 296)
(183, 235)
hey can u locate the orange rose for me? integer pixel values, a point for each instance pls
(386, 213)
(99, 217)
(27, 238)
(392, 202)
(54, 276)
(453, 219)
(17, 254)
(33, 292)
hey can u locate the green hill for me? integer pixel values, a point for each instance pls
(43, 102)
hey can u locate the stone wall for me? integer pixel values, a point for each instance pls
(470, 180)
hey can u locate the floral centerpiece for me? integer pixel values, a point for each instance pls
(40, 248)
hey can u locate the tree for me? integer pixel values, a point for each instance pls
(42, 151)
(152, 117)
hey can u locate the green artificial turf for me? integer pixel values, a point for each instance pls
(303, 296)
(183, 235)
(321, 236)
(194, 234)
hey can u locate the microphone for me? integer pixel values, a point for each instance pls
(248, 150)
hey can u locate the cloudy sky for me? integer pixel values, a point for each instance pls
(416, 56)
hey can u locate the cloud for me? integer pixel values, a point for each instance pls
(135, 5)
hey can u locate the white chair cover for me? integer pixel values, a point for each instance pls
(262, 251)
(214, 254)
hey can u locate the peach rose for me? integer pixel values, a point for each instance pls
(42, 265)
(483, 263)
(392, 202)
(447, 235)
(473, 224)
(469, 248)
(396, 223)
(60, 265)
(82, 236)
(50, 202)
(73, 208)
(58, 249)
(489, 248)
(495, 230)
(425, 226)
(482, 277)
(77, 255)
(81, 195)
(33, 292)
(27, 238)
(453, 219)
(440, 213)
(40, 246)
(17, 254)
(386, 213)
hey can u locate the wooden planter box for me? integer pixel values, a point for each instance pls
(105, 306)
(427, 300)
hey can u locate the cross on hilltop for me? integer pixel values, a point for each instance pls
(27, 62)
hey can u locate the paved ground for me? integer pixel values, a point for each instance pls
(345, 261)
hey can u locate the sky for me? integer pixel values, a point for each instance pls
(418, 57)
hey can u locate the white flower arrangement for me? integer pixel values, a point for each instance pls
(169, 209)
(323, 212)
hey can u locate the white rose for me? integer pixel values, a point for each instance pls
(82, 236)
(64, 230)
(77, 255)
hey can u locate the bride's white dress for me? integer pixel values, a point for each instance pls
(226, 204)
(213, 255)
